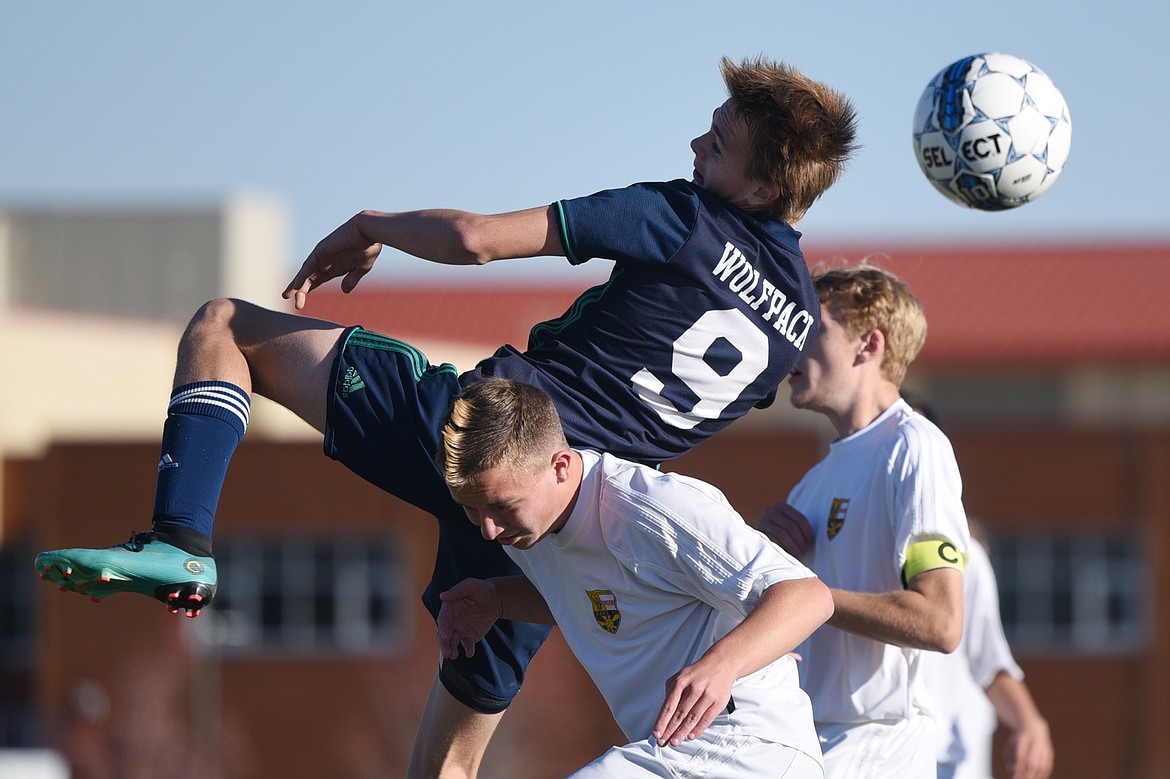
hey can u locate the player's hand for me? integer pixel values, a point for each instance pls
(344, 252)
(787, 528)
(695, 696)
(469, 610)
(1029, 752)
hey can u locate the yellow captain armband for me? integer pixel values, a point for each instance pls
(929, 554)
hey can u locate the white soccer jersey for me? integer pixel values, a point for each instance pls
(958, 681)
(878, 491)
(650, 569)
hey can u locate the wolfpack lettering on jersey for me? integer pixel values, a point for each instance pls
(704, 315)
(745, 280)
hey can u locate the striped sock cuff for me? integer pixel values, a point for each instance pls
(217, 399)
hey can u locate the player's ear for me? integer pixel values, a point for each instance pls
(872, 346)
(764, 195)
(562, 459)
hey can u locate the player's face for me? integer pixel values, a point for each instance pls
(514, 505)
(721, 159)
(824, 378)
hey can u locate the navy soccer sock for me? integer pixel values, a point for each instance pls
(205, 422)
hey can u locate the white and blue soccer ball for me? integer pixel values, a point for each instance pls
(992, 131)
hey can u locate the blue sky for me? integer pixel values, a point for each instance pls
(335, 107)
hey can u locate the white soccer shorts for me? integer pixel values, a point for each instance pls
(885, 749)
(721, 752)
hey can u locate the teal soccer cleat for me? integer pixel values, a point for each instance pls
(144, 564)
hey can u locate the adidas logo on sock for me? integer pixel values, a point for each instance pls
(166, 462)
(351, 383)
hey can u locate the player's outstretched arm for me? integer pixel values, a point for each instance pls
(787, 613)
(444, 236)
(472, 606)
(1028, 752)
(928, 614)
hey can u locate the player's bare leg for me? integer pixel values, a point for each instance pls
(451, 738)
(284, 357)
(229, 350)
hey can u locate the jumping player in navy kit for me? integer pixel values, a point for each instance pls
(706, 311)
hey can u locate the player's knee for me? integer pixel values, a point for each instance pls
(219, 318)
(212, 315)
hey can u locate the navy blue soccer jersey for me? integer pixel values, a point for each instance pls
(705, 313)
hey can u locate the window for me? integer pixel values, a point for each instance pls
(1077, 592)
(303, 595)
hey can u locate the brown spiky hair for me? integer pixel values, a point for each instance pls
(803, 132)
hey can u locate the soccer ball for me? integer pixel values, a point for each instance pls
(992, 131)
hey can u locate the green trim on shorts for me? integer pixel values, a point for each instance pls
(421, 367)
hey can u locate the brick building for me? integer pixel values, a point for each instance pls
(1048, 366)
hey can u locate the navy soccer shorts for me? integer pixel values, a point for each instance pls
(386, 408)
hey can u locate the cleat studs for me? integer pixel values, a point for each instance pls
(196, 597)
(193, 614)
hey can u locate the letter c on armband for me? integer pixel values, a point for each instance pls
(930, 554)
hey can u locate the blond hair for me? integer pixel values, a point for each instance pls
(802, 132)
(866, 297)
(497, 422)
